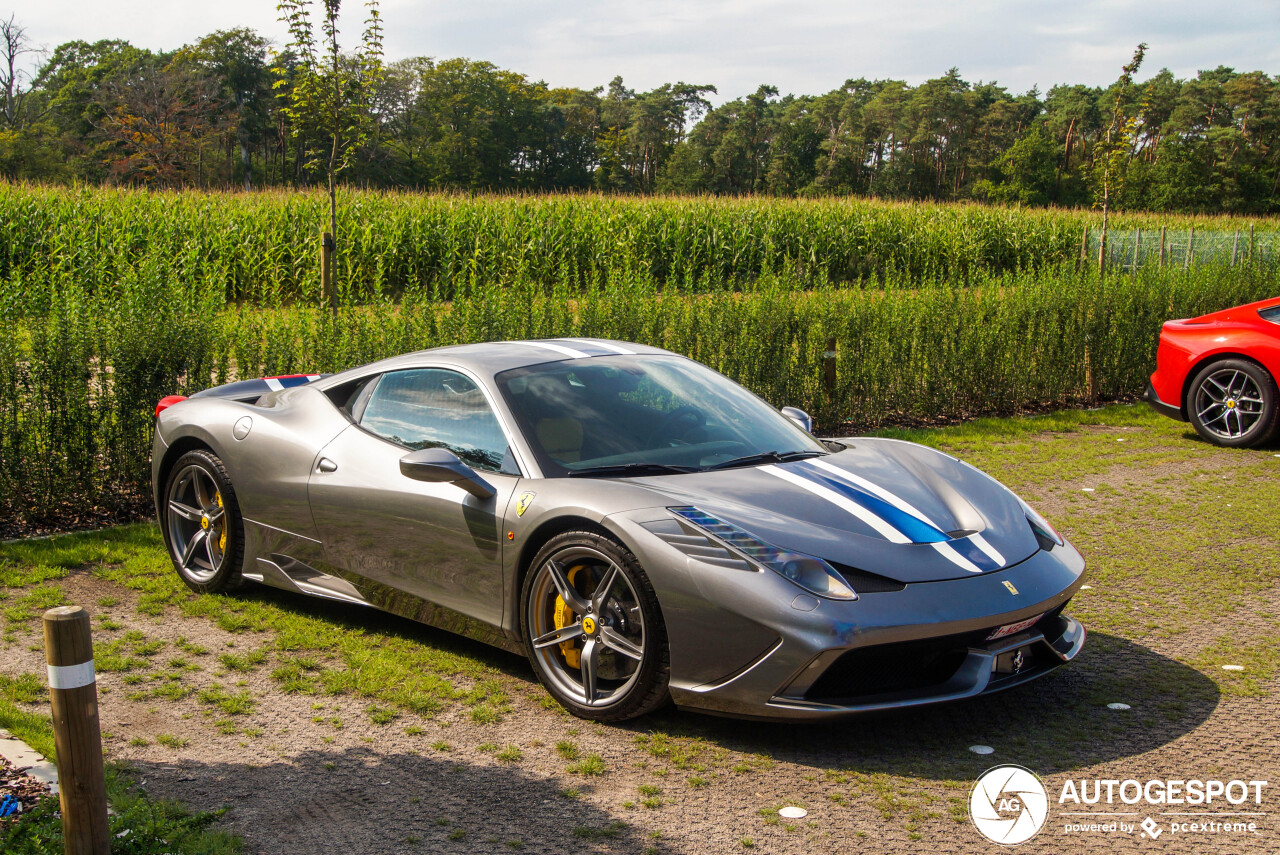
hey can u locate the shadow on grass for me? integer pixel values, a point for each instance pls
(356, 800)
(373, 621)
(1272, 444)
(1058, 723)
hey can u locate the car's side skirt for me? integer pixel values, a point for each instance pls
(289, 561)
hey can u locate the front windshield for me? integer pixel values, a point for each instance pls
(625, 414)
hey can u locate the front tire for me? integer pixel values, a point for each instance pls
(1233, 403)
(593, 629)
(202, 524)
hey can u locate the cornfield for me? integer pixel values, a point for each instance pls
(262, 249)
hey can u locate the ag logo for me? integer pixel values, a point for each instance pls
(1008, 805)
(523, 503)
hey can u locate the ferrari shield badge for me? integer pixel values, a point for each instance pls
(523, 503)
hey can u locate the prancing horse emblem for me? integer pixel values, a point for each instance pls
(1018, 661)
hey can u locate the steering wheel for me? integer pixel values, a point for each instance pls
(677, 423)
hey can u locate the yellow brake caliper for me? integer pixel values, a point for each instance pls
(562, 617)
(222, 538)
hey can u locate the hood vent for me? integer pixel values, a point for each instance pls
(864, 582)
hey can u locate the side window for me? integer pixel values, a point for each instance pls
(437, 408)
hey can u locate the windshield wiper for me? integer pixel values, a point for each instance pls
(765, 457)
(631, 469)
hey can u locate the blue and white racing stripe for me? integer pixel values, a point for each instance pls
(891, 516)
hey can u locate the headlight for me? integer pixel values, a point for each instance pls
(813, 574)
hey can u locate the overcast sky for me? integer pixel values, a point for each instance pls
(803, 48)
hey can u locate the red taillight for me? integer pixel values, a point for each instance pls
(168, 401)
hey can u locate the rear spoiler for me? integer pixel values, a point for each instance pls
(244, 391)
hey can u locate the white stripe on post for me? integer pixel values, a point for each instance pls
(71, 676)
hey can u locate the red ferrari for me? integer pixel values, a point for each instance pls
(1219, 371)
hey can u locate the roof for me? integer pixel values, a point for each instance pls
(495, 356)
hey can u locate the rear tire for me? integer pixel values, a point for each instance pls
(202, 525)
(593, 629)
(1233, 403)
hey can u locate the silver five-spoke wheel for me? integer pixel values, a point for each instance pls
(593, 628)
(201, 522)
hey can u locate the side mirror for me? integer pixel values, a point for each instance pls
(800, 417)
(440, 465)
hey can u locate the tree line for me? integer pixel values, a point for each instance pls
(215, 113)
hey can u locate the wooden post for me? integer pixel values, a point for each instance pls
(1191, 248)
(1251, 246)
(1137, 246)
(1235, 246)
(73, 699)
(1102, 252)
(829, 370)
(327, 291)
(1084, 249)
(1162, 228)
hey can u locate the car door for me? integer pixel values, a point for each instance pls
(403, 541)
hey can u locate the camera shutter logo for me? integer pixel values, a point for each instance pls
(1008, 805)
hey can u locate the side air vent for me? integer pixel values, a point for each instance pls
(695, 545)
(864, 582)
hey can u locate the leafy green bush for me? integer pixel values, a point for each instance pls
(79, 380)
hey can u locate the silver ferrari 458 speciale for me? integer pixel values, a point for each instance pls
(641, 527)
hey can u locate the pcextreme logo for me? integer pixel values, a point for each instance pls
(1010, 805)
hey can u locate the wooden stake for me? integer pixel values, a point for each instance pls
(1235, 245)
(829, 369)
(73, 699)
(1084, 248)
(327, 291)
(1191, 248)
(1137, 246)
(1162, 228)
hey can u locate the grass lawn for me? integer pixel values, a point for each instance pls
(1184, 553)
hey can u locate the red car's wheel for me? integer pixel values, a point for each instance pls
(1233, 403)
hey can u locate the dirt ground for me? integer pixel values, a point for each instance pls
(296, 782)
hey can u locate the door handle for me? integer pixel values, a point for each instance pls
(326, 465)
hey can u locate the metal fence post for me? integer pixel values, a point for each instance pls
(73, 698)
